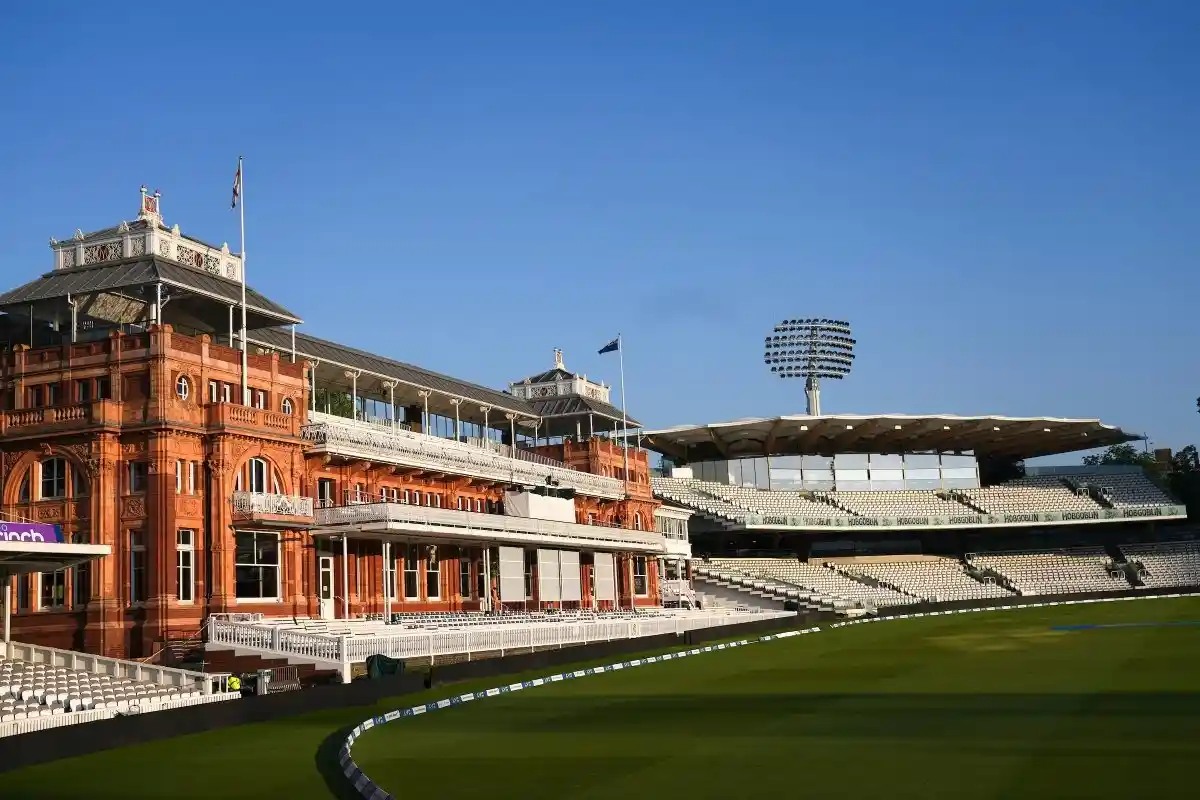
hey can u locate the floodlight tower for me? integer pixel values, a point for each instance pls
(811, 349)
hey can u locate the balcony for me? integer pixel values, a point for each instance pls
(272, 510)
(259, 420)
(24, 422)
(373, 442)
(444, 524)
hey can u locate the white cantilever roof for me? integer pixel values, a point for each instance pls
(991, 436)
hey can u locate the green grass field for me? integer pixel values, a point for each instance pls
(991, 705)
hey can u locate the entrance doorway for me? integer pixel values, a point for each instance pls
(325, 586)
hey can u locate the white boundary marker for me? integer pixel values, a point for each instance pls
(367, 789)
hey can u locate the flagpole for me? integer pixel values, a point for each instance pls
(624, 421)
(242, 209)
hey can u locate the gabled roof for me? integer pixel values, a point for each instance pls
(139, 272)
(326, 351)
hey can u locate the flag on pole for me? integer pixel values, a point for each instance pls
(612, 346)
(237, 185)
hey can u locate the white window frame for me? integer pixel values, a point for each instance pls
(257, 484)
(286, 406)
(214, 391)
(478, 505)
(61, 581)
(137, 545)
(645, 575)
(178, 477)
(185, 566)
(183, 387)
(226, 393)
(278, 566)
(260, 398)
(412, 566)
(433, 569)
(59, 475)
(191, 477)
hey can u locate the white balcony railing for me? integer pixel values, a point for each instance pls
(355, 641)
(372, 441)
(398, 517)
(284, 505)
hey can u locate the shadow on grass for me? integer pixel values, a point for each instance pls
(327, 764)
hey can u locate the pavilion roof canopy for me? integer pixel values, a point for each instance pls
(332, 361)
(986, 436)
(136, 277)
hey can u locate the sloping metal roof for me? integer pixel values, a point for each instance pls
(138, 272)
(331, 352)
(1003, 437)
(577, 405)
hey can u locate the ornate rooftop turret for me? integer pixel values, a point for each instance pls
(149, 236)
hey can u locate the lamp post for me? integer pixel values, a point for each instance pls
(812, 349)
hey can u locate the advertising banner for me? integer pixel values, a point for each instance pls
(30, 532)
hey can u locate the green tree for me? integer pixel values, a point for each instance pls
(337, 403)
(1120, 454)
(1186, 460)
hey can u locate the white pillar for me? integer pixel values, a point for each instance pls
(486, 600)
(387, 583)
(345, 577)
(425, 418)
(457, 426)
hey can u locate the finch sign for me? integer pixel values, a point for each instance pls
(30, 532)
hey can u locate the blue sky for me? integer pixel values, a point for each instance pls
(1001, 196)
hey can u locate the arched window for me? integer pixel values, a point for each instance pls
(23, 492)
(286, 405)
(183, 387)
(258, 477)
(637, 520)
(54, 478)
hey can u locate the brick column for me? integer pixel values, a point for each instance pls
(220, 515)
(104, 633)
(160, 539)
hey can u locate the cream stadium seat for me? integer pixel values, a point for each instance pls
(937, 580)
(818, 579)
(1125, 490)
(1166, 563)
(1032, 494)
(29, 690)
(1058, 572)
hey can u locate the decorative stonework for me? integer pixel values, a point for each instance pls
(133, 507)
(138, 246)
(164, 248)
(105, 251)
(68, 258)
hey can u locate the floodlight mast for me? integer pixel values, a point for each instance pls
(812, 348)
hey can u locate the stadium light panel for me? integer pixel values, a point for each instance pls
(811, 348)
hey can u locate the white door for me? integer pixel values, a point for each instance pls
(325, 586)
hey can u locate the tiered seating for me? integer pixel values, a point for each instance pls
(1126, 490)
(1061, 572)
(37, 690)
(936, 580)
(1167, 564)
(813, 578)
(776, 504)
(906, 503)
(1032, 494)
(689, 493)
